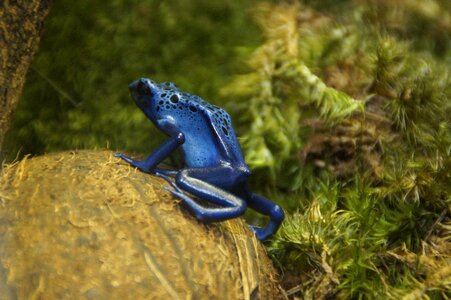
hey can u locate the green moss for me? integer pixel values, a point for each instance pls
(349, 114)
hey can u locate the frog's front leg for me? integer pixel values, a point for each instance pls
(164, 150)
(191, 181)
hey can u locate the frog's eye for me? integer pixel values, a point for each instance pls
(146, 91)
(143, 89)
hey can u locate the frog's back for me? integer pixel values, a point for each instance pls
(209, 135)
(221, 124)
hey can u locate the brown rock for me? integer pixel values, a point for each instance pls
(84, 225)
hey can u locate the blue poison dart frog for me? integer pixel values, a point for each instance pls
(215, 170)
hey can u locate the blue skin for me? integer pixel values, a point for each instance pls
(215, 170)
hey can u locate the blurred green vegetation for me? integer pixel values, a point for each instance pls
(342, 107)
(76, 93)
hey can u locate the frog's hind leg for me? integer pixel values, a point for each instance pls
(268, 208)
(188, 180)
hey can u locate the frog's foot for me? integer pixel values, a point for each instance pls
(270, 209)
(168, 179)
(262, 233)
(165, 172)
(124, 157)
(177, 192)
(142, 165)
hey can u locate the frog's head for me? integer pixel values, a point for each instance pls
(143, 92)
(152, 98)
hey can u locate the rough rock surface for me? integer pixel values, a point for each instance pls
(85, 225)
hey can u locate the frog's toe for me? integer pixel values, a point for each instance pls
(162, 175)
(135, 163)
(160, 172)
(175, 192)
(260, 233)
(174, 186)
(124, 157)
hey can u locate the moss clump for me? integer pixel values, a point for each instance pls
(85, 225)
(350, 117)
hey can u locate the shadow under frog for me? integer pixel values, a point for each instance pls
(215, 170)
